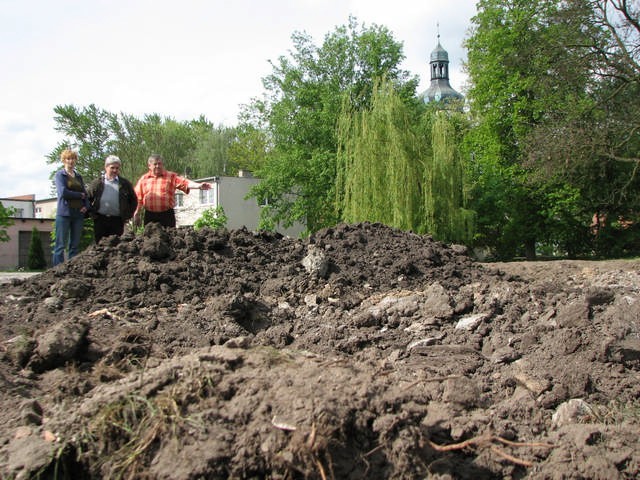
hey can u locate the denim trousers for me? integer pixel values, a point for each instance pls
(68, 234)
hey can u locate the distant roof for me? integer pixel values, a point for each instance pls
(28, 198)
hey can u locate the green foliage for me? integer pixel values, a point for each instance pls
(36, 260)
(86, 130)
(6, 220)
(299, 114)
(446, 217)
(378, 176)
(400, 170)
(195, 148)
(211, 155)
(212, 218)
(553, 89)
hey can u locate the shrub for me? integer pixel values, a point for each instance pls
(213, 218)
(36, 260)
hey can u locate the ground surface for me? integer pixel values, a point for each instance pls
(362, 352)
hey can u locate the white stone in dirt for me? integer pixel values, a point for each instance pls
(470, 322)
(571, 411)
(316, 262)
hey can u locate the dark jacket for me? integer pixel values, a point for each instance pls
(68, 198)
(126, 197)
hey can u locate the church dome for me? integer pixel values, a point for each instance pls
(439, 54)
(440, 90)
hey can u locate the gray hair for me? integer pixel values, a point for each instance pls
(111, 159)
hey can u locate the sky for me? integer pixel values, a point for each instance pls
(179, 59)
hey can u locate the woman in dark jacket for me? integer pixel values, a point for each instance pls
(73, 203)
(113, 200)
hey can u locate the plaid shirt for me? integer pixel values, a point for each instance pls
(157, 194)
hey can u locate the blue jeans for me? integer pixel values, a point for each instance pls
(68, 234)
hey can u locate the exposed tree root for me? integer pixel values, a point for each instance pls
(486, 440)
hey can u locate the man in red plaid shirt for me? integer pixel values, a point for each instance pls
(156, 193)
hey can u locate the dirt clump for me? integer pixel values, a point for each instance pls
(361, 352)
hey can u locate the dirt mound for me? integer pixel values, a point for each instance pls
(360, 352)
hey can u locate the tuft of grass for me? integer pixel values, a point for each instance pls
(617, 412)
(125, 435)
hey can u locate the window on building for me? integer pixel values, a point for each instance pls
(19, 213)
(179, 200)
(207, 197)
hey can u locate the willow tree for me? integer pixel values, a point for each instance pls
(445, 215)
(378, 167)
(401, 169)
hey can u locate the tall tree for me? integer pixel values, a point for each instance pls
(88, 131)
(445, 214)
(300, 109)
(554, 89)
(592, 139)
(379, 163)
(401, 166)
(211, 154)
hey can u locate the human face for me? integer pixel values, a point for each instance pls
(156, 168)
(112, 170)
(69, 163)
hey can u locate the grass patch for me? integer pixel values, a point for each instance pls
(617, 412)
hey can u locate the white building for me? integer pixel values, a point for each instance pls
(229, 193)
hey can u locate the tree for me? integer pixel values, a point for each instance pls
(211, 152)
(36, 260)
(6, 220)
(543, 79)
(445, 214)
(299, 112)
(379, 163)
(400, 165)
(88, 131)
(194, 147)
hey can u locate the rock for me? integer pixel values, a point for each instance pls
(58, 344)
(575, 410)
(316, 262)
(470, 322)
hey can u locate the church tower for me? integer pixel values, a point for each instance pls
(440, 90)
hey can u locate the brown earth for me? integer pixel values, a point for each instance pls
(361, 352)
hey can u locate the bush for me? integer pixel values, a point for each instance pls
(36, 260)
(213, 218)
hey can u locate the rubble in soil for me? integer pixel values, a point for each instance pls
(362, 351)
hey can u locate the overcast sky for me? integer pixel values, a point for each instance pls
(179, 59)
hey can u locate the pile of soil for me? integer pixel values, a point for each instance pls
(360, 352)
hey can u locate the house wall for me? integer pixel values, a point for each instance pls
(46, 208)
(14, 254)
